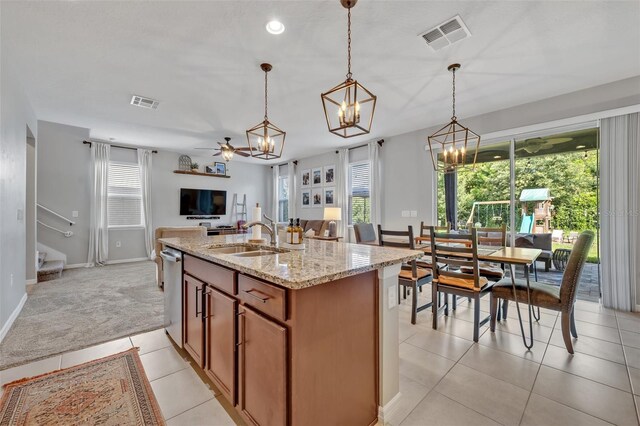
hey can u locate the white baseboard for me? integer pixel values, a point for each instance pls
(637, 308)
(389, 407)
(137, 259)
(32, 281)
(76, 265)
(12, 318)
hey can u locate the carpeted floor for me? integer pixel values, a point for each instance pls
(85, 307)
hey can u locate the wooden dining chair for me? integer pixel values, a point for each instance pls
(490, 237)
(451, 279)
(411, 276)
(365, 234)
(548, 296)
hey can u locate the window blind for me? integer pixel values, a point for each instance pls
(283, 198)
(359, 192)
(124, 206)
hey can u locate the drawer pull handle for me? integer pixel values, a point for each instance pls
(250, 293)
(207, 295)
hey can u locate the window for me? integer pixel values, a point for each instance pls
(283, 198)
(124, 204)
(359, 185)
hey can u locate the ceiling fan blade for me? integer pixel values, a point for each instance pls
(246, 148)
(215, 154)
(208, 148)
(243, 154)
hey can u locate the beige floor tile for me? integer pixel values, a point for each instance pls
(595, 318)
(406, 330)
(441, 344)
(437, 409)
(542, 411)
(501, 365)
(628, 315)
(422, 366)
(211, 413)
(151, 341)
(459, 328)
(583, 305)
(513, 344)
(94, 352)
(162, 362)
(591, 346)
(633, 356)
(629, 338)
(179, 392)
(634, 375)
(601, 332)
(602, 401)
(496, 399)
(411, 393)
(587, 366)
(541, 333)
(546, 319)
(31, 369)
(629, 324)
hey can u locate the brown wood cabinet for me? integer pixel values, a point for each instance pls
(192, 318)
(262, 374)
(220, 341)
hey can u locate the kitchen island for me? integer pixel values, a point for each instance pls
(294, 337)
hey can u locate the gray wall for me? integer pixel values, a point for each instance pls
(16, 115)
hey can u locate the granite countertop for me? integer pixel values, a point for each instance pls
(319, 262)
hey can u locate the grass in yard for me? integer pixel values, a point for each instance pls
(593, 252)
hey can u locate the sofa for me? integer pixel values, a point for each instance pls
(170, 232)
(543, 242)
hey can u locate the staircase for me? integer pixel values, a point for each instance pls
(49, 269)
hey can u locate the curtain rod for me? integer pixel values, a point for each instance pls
(116, 146)
(380, 142)
(294, 162)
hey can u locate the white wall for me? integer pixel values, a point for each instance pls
(16, 115)
(328, 159)
(30, 211)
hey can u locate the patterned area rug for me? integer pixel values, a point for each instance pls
(109, 391)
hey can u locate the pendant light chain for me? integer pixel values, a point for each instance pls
(454, 95)
(265, 95)
(349, 44)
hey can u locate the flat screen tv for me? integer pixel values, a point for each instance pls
(200, 202)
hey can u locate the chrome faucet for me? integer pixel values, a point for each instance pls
(272, 228)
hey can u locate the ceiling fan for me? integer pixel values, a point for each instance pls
(227, 150)
(534, 145)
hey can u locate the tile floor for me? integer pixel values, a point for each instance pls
(445, 378)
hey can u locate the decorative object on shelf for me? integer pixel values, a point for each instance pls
(194, 167)
(210, 169)
(227, 150)
(306, 199)
(329, 175)
(316, 197)
(349, 107)
(184, 162)
(190, 172)
(221, 168)
(316, 177)
(453, 140)
(332, 214)
(266, 140)
(306, 178)
(329, 196)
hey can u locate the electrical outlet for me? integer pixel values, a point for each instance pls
(118, 244)
(414, 213)
(393, 294)
(74, 213)
(20, 215)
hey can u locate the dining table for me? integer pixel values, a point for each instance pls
(512, 256)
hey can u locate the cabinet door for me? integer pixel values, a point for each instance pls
(262, 359)
(193, 320)
(220, 326)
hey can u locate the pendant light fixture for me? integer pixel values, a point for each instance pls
(450, 145)
(266, 140)
(349, 107)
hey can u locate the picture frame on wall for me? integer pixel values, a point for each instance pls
(306, 178)
(306, 199)
(317, 197)
(316, 177)
(210, 169)
(330, 196)
(329, 175)
(221, 168)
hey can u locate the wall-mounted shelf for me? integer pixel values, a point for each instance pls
(189, 172)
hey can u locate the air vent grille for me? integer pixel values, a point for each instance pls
(447, 33)
(143, 102)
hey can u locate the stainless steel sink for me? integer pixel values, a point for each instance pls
(256, 253)
(234, 249)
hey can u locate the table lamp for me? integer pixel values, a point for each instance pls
(332, 214)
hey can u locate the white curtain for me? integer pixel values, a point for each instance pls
(293, 189)
(98, 220)
(274, 199)
(144, 162)
(342, 193)
(376, 183)
(620, 210)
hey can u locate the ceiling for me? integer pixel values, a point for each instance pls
(81, 62)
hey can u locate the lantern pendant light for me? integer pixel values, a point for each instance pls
(450, 145)
(266, 140)
(349, 107)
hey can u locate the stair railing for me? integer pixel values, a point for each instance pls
(71, 222)
(65, 233)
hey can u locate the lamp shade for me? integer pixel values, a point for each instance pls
(332, 213)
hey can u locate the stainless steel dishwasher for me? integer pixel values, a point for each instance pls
(172, 267)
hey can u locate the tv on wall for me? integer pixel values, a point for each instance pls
(202, 202)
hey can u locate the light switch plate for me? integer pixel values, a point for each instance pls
(74, 213)
(405, 213)
(414, 213)
(393, 294)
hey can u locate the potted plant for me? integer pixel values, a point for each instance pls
(194, 167)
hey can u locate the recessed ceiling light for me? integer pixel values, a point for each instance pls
(275, 27)
(497, 156)
(580, 146)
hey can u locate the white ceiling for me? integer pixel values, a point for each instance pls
(80, 62)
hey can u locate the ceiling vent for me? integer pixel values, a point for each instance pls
(143, 102)
(447, 33)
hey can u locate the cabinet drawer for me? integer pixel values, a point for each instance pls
(217, 276)
(264, 297)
